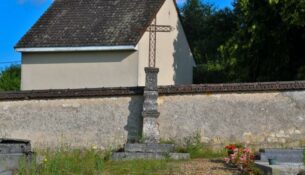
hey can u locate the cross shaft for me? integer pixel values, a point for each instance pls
(153, 29)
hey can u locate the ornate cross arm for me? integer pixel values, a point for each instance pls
(160, 28)
(153, 29)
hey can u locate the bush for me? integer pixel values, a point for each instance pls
(10, 79)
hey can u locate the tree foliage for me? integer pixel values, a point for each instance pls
(10, 78)
(258, 40)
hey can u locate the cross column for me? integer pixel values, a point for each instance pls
(151, 133)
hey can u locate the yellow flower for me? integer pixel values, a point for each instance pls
(94, 147)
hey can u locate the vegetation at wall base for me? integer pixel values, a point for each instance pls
(66, 161)
(88, 162)
(197, 149)
(93, 162)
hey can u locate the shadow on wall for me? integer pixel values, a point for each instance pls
(182, 65)
(135, 119)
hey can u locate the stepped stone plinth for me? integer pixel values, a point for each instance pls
(149, 151)
(150, 148)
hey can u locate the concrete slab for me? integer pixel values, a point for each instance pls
(9, 163)
(149, 148)
(281, 168)
(291, 155)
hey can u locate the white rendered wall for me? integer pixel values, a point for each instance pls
(72, 70)
(174, 57)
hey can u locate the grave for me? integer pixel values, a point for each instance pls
(11, 150)
(287, 161)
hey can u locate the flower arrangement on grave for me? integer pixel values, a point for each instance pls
(242, 158)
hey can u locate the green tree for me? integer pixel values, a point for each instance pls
(207, 29)
(268, 44)
(258, 40)
(10, 78)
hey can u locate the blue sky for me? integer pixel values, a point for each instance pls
(19, 15)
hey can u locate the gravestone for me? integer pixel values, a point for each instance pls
(288, 161)
(11, 151)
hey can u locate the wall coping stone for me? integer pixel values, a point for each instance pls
(163, 90)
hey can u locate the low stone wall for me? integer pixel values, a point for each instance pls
(265, 117)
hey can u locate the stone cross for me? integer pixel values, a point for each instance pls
(150, 113)
(153, 29)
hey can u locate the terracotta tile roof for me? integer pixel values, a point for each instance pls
(74, 23)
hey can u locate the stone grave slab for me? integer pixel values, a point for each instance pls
(281, 168)
(291, 155)
(288, 161)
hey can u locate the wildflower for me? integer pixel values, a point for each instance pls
(94, 147)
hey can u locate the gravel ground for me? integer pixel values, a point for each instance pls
(204, 167)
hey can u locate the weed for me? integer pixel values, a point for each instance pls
(198, 149)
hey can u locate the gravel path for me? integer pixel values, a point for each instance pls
(204, 167)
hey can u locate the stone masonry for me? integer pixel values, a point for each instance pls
(262, 119)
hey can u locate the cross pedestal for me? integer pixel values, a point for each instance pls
(151, 133)
(151, 147)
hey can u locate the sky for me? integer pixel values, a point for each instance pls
(19, 15)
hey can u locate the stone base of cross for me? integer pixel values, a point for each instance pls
(150, 113)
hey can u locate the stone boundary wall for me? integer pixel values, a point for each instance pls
(163, 90)
(259, 114)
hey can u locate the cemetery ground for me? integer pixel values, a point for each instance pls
(93, 162)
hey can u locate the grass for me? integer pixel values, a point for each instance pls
(93, 162)
(65, 162)
(139, 167)
(90, 162)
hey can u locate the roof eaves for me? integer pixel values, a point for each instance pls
(78, 49)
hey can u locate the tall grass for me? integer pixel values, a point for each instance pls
(89, 162)
(65, 162)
